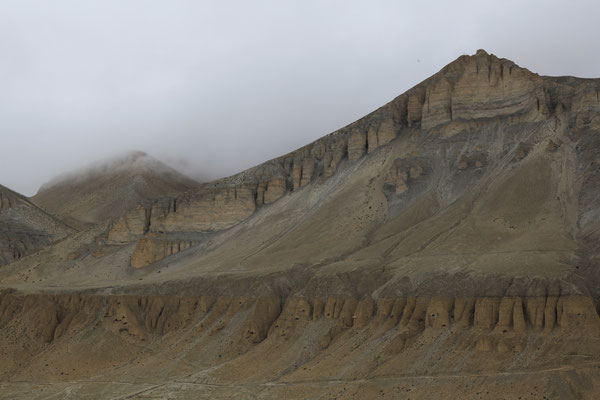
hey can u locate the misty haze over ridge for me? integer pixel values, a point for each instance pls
(128, 162)
(217, 87)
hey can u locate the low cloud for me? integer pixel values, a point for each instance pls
(212, 88)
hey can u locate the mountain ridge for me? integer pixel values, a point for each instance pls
(447, 242)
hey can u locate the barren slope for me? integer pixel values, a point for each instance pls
(444, 245)
(24, 228)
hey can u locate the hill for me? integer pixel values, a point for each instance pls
(108, 188)
(445, 243)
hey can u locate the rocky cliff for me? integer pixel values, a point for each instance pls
(148, 250)
(253, 340)
(204, 210)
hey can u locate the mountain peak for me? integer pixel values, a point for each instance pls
(130, 163)
(474, 87)
(106, 188)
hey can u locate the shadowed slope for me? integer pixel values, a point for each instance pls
(25, 228)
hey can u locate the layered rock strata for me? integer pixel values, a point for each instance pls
(149, 250)
(492, 324)
(207, 210)
(472, 88)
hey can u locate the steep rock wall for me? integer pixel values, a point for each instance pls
(482, 86)
(48, 316)
(78, 332)
(206, 210)
(149, 250)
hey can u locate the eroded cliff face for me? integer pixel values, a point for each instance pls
(149, 250)
(206, 210)
(482, 86)
(375, 337)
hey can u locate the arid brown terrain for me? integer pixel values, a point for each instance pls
(444, 246)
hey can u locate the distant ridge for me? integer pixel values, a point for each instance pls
(107, 188)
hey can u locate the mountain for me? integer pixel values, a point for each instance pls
(446, 243)
(107, 188)
(25, 228)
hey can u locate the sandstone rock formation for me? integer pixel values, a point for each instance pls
(149, 250)
(207, 209)
(386, 334)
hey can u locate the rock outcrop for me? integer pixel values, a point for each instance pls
(404, 171)
(482, 86)
(149, 250)
(206, 210)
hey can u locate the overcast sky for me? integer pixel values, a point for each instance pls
(214, 87)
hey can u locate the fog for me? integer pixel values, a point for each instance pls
(214, 87)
